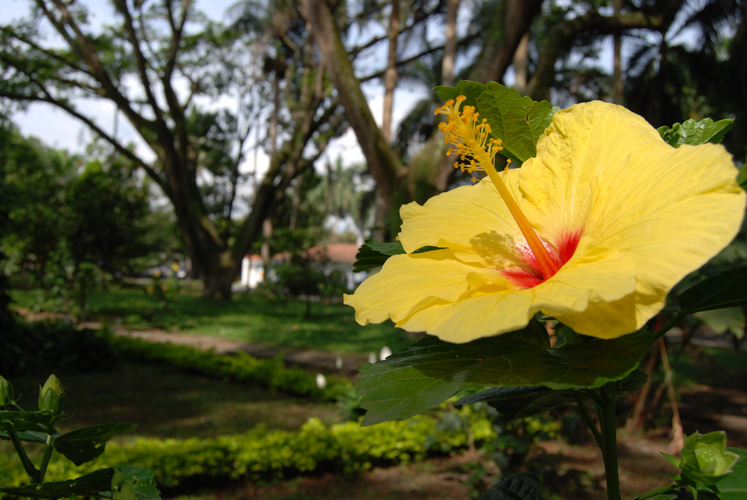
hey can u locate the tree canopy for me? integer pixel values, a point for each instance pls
(286, 78)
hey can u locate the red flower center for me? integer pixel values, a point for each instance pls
(531, 274)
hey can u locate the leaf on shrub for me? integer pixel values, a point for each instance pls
(733, 486)
(695, 133)
(142, 481)
(520, 486)
(742, 177)
(720, 291)
(520, 402)
(429, 372)
(93, 484)
(22, 421)
(82, 445)
(470, 90)
(517, 120)
(722, 321)
(369, 256)
(31, 436)
(374, 253)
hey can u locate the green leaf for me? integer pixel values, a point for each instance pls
(386, 248)
(564, 335)
(520, 486)
(733, 486)
(27, 421)
(374, 253)
(82, 445)
(742, 177)
(517, 120)
(695, 133)
(429, 372)
(470, 90)
(720, 291)
(721, 321)
(142, 480)
(520, 402)
(93, 484)
(31, 436)
(6, 393)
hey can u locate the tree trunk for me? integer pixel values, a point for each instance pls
(217, 282)
(390, 76)
(382, 162)
(201, 238)
(616, 88)
(511, 24)
(450, 46)
(273, 138)
(521, 66)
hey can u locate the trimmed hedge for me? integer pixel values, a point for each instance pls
(238, 367)
(263, 454)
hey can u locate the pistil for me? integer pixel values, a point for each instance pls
(472, 139)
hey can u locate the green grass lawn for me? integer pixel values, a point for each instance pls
(247, 318)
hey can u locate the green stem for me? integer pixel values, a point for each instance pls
(672, 323)
(48, 449)
(609, 435)
(584, 413)
(28, 466)
(598, 399)
(658, 491)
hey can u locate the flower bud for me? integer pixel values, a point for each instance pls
(6, 393)
(705, 458)
(51, 395)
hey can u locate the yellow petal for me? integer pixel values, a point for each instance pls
(594, 274)
(649, 215)
(412, 282)
(669, 210)
(472, 221)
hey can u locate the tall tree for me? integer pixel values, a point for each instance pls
(383, 164)
(390, 76)
(158, 62)
(450, 44)
(694, 69)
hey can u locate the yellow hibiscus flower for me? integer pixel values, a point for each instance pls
(594, 231)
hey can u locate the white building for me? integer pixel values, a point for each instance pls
(330, 258)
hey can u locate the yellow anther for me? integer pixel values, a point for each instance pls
(471, 139)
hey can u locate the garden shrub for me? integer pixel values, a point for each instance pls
(263, 454)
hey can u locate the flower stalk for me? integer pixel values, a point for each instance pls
(608, 425)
